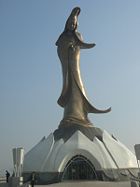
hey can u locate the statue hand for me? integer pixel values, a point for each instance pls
(86, 45)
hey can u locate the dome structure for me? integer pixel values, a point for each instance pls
(57, 158)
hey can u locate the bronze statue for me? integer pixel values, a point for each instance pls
(73, 97)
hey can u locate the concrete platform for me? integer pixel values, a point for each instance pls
(82, 184)
(91, 184)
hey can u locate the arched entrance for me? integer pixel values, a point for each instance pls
(79, 168)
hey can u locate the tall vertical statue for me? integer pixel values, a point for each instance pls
(73, 97)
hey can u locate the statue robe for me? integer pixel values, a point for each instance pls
(73, 97)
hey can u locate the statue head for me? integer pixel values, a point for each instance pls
(72, 21)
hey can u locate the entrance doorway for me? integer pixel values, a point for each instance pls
(79, 168)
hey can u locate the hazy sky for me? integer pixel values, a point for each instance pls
(30, 71)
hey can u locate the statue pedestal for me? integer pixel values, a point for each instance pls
(62, 154)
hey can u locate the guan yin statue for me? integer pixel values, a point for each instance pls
(77, 150)
(73, 97)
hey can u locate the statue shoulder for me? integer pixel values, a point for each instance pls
(61, 37)
(79, 36)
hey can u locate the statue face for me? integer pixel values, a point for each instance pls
(72, 24)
